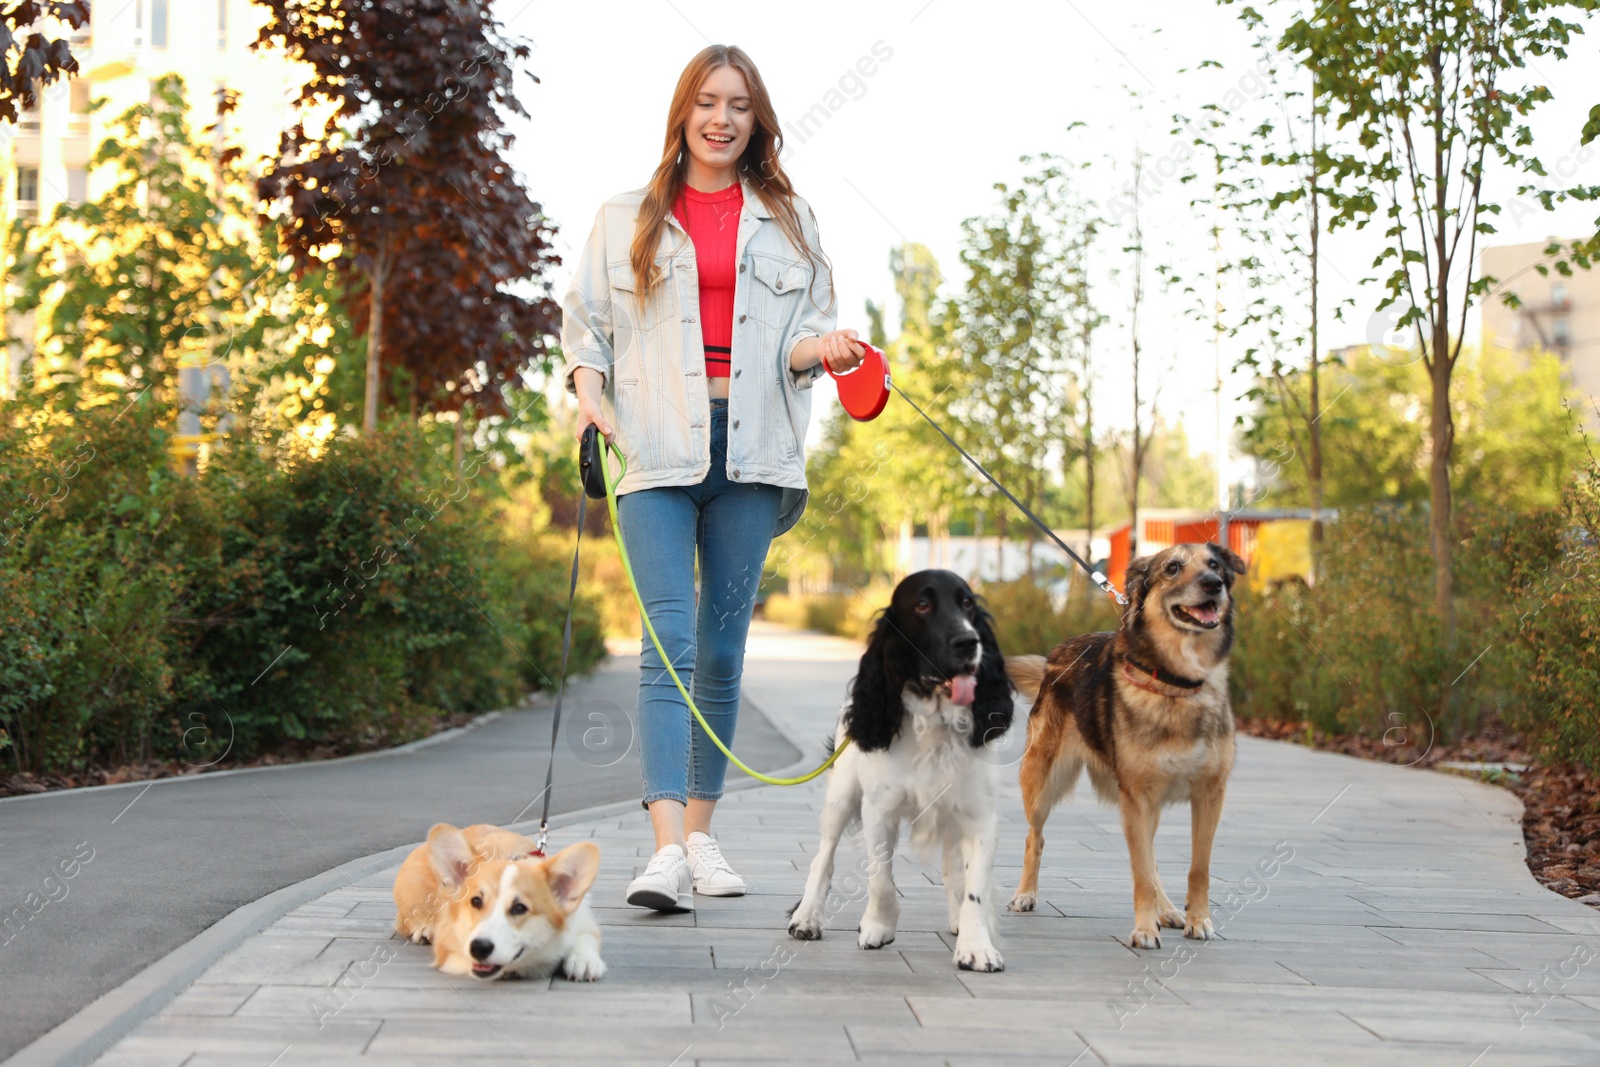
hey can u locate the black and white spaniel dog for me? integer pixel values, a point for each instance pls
(930, 695)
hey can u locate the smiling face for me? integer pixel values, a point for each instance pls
(1185, 593)
(717, 130)
(1193, 581)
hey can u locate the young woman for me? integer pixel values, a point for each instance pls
(700, 313)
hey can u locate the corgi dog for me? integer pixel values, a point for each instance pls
(428, 876)
(491, 909)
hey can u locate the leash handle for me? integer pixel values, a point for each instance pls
(589, 464)
(864, 389)
(1099, 579)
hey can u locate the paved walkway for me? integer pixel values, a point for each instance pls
(169, 859)
(1368, 915)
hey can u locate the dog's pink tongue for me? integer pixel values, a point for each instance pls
(963, 689)
(1204, 614)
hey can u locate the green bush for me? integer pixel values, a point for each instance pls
(840, 614)
(282, 598)
(830, 614)
(532, 589)
(1557, 632)
(85, 585)
(1027, 622)
(1362, 652)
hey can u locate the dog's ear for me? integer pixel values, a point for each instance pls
(1136, 584)
(876, 705)
(571, 872)
(452, 858)
(1230, 560)
(992, 708)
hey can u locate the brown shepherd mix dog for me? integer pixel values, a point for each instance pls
(1146, 710)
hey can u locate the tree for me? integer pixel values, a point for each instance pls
(162, 268)
(30, 60)
(1139, 433)
(462, 346)
(1505, 409)
(993, 323)
(1271, 185)
(1430, 93)
(1072, 228)
(406, 189)
(1178, 478)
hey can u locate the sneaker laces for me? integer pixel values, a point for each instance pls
(709, 855)
(662, 862)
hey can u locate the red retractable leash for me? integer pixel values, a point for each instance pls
(864, 389)
(864, 393)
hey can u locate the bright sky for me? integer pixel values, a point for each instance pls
(916, 147)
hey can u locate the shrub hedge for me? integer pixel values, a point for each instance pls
(342, 599)
(1363, 652)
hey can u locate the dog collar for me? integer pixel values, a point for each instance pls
(1172, 680)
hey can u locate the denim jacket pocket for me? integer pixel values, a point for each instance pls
(784, 284)
(628, 312)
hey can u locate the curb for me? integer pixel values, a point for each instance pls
(96, 1027)
(398, 750)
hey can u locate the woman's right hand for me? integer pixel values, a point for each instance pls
(587, 383)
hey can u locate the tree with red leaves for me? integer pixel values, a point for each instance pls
(405, 190)
(29, 60)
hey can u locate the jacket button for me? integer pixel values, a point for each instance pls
(741, 318)
(735, 424)
(737, 373)
(736, 474)
(741, 268)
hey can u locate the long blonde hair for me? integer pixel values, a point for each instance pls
(759, 165)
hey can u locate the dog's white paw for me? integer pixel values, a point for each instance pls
(583, 967)
(1199, 928)
(875, 935)
(1141, 938)
(1021, 902)
(981, 958)
(809, 929)
(1173, 919)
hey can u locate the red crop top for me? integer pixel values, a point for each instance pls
(712, 220)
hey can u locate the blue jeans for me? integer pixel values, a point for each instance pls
(730, 524)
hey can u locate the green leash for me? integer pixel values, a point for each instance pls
(627, 568)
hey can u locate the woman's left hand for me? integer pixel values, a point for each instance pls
(841, 351)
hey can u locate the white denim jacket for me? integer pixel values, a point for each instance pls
(653, 356)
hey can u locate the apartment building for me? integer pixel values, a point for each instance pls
(1555, 314)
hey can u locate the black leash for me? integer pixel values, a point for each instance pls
(1100, 580)
(589, 471)
(561, 681)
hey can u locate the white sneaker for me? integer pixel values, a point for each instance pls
(712, 875)
(665, 884)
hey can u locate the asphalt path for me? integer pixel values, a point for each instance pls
(154, 864)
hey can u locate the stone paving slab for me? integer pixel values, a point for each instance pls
(1367, 914)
